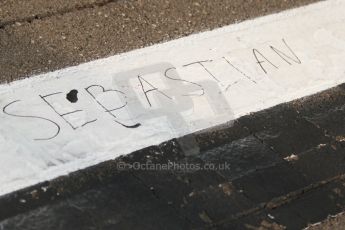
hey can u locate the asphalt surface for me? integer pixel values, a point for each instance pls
(38, 36)
(20, 11)
(286, 171)
(332, 222)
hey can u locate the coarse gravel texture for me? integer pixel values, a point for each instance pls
(70, 33)
(12, 11)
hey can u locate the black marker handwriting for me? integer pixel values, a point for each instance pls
(109, 111)
(33, 117)
(193, 83)
(153, 88)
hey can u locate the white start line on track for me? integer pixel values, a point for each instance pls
(66, 120)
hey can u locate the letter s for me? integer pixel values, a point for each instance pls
(33, 117)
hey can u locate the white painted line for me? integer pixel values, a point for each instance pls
(147, 96)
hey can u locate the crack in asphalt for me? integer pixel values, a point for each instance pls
(63, 11)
